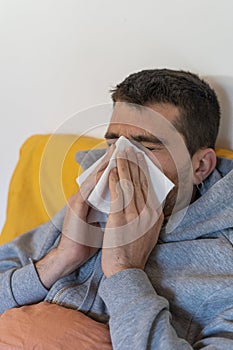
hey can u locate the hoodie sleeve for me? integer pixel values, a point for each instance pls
(19, 281)
(140, 319)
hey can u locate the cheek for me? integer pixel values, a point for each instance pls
(167, 165)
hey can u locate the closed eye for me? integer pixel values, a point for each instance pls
(150, 148)
(154, 147)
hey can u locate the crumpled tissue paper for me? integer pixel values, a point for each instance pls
(100, 196)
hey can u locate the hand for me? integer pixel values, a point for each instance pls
(74, 248)
(135, 218)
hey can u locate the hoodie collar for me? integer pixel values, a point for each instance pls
(210, 213)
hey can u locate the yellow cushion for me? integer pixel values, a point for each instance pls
(43, 180)
(225, 153)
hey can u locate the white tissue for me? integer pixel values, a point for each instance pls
(100, 196)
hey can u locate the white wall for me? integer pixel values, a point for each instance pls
(60, 56)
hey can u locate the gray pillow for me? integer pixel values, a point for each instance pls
(87, 158)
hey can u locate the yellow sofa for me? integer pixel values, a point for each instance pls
(44, 179)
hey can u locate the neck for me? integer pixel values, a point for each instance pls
(195, 195)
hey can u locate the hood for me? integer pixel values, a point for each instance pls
(211, 214)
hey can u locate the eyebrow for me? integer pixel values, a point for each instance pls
(139, 138)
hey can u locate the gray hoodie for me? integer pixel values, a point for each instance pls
(183, 299)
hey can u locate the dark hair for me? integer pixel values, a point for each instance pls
(195, 99)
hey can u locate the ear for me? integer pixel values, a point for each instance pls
(204, 162)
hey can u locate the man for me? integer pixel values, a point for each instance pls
(169, 288)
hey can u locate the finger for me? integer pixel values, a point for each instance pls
(134, 172)
(126, 184)
(116, 196)
(77, 207)
(133, 164)
(143, 175)
(88, 185)
(150, 197)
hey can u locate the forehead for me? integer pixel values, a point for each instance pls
(129, 119)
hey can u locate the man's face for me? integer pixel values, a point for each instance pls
(152, 128)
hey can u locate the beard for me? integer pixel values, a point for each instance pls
(182, 194)
(170, 202)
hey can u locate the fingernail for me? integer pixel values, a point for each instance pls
(113, 172)
(121, 154)
(129, 149)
